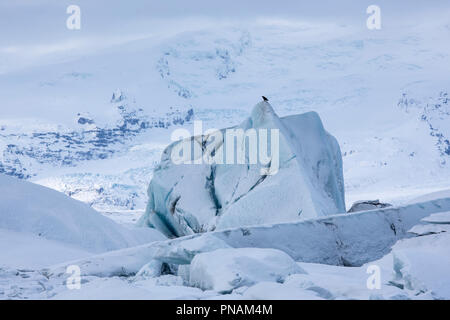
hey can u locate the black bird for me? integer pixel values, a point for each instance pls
(265, 99)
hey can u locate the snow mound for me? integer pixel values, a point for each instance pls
(33, 209)
(223, 270)
(22, 250)
(305, 181)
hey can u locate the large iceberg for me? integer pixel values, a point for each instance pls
(302, 178)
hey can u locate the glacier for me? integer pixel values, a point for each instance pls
(198, 197)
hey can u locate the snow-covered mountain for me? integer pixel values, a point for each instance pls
(24, 151)
(29, 152)
(435, 112)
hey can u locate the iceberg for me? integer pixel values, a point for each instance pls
(303, 179)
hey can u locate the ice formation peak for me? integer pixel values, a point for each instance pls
(262, 113)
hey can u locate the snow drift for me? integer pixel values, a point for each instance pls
(192, 198)
(33, 209)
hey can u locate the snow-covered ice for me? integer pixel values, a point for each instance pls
(224, 270)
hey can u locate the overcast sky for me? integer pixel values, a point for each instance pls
(37, 27)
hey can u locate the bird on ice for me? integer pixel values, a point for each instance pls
(265, 99)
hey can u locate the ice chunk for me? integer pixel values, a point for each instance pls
(182, 252)
(351, 239)
(427, 229)
(336, 282)
(432, 224)
(421, 264)
(223, 270)
(150, 270)
(438, 218)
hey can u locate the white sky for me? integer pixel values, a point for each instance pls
(31, 29)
